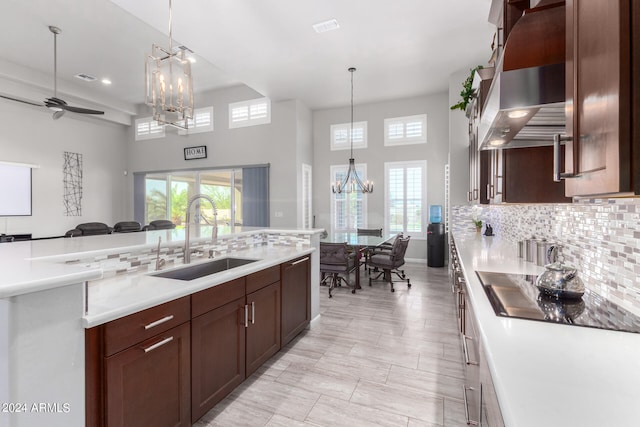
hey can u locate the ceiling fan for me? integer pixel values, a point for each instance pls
(55, 104)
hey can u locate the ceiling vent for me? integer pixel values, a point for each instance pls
(86, 77)
(323, 27)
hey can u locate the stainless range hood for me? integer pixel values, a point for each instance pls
(524, 108)
(525, 104)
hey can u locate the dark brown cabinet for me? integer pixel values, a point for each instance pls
(296, 298)
(170, 364)
(263, 331)
(602, 97)
(218, 344)
(138, 368)
(160, 364)
(234, 331)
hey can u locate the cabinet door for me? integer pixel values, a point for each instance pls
(296, 298)
(598, 97)
(263, 332)
(217, 355)
(149, 383)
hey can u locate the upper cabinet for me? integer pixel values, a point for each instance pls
(602, 98)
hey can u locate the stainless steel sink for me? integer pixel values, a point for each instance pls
(205, 269)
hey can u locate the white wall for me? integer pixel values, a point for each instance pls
(280, 143)
(376, 154)
(29, 135)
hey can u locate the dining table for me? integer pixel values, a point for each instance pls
(357, 243)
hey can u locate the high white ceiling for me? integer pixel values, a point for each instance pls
(401, 48)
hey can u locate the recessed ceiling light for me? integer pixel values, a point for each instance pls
(517, 114)
(86, 77)
(497, 142)
(323, 27)
(106, 81)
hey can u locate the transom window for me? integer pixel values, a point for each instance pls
(405, 130)
(147, 128)
(250, 113)
(340, 139)
(202, 121)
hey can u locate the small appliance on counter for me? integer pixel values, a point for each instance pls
(488, 231)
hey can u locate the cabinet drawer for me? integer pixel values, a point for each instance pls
(122, 333)
(217, 296)
(263, 278)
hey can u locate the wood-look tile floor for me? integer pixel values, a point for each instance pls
(375, 358)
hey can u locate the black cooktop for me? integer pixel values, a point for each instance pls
(516, 295)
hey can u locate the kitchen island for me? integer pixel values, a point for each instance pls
(52, 290)
(548, 374)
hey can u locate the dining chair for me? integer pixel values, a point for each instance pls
(390, 262)
(366, 250)
(159, 224)
(336, 263)
(92, 229)
(127, 227)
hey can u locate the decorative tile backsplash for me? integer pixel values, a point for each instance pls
(145, 259)
(601, 237)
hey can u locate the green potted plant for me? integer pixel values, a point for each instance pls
(467, 93)
(475, 213)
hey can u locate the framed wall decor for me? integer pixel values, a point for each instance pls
(199, 152)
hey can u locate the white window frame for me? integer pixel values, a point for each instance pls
(195, 125)
(422, 164)
(334, 170)
(395, 130)
(250, 120)
(342, 143)
(154, 130)
(307, 199)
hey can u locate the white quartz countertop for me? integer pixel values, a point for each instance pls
(549, 374)
(37, 265)
(122, 295)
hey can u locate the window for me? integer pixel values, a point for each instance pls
(405, 196)
(167, 195)
(348, 210)
(147, 128)
(340, 136)
(250, 113)
(405, 130)
(202, 121)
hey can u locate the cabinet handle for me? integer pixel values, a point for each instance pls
(299, 261)
(246, 316)
(159, 322)
(158, 344)
(465, 350)
(558, 175)
(253, 312)
(475, 194)
(492, 191)
(469, 196)
(470, 422)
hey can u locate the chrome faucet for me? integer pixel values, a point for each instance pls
(214, 233)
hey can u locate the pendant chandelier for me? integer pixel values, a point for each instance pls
(352, 181)
(169, 88)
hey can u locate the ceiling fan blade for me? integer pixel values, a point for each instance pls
(24, 101)
(80, 110)
(58, 104)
